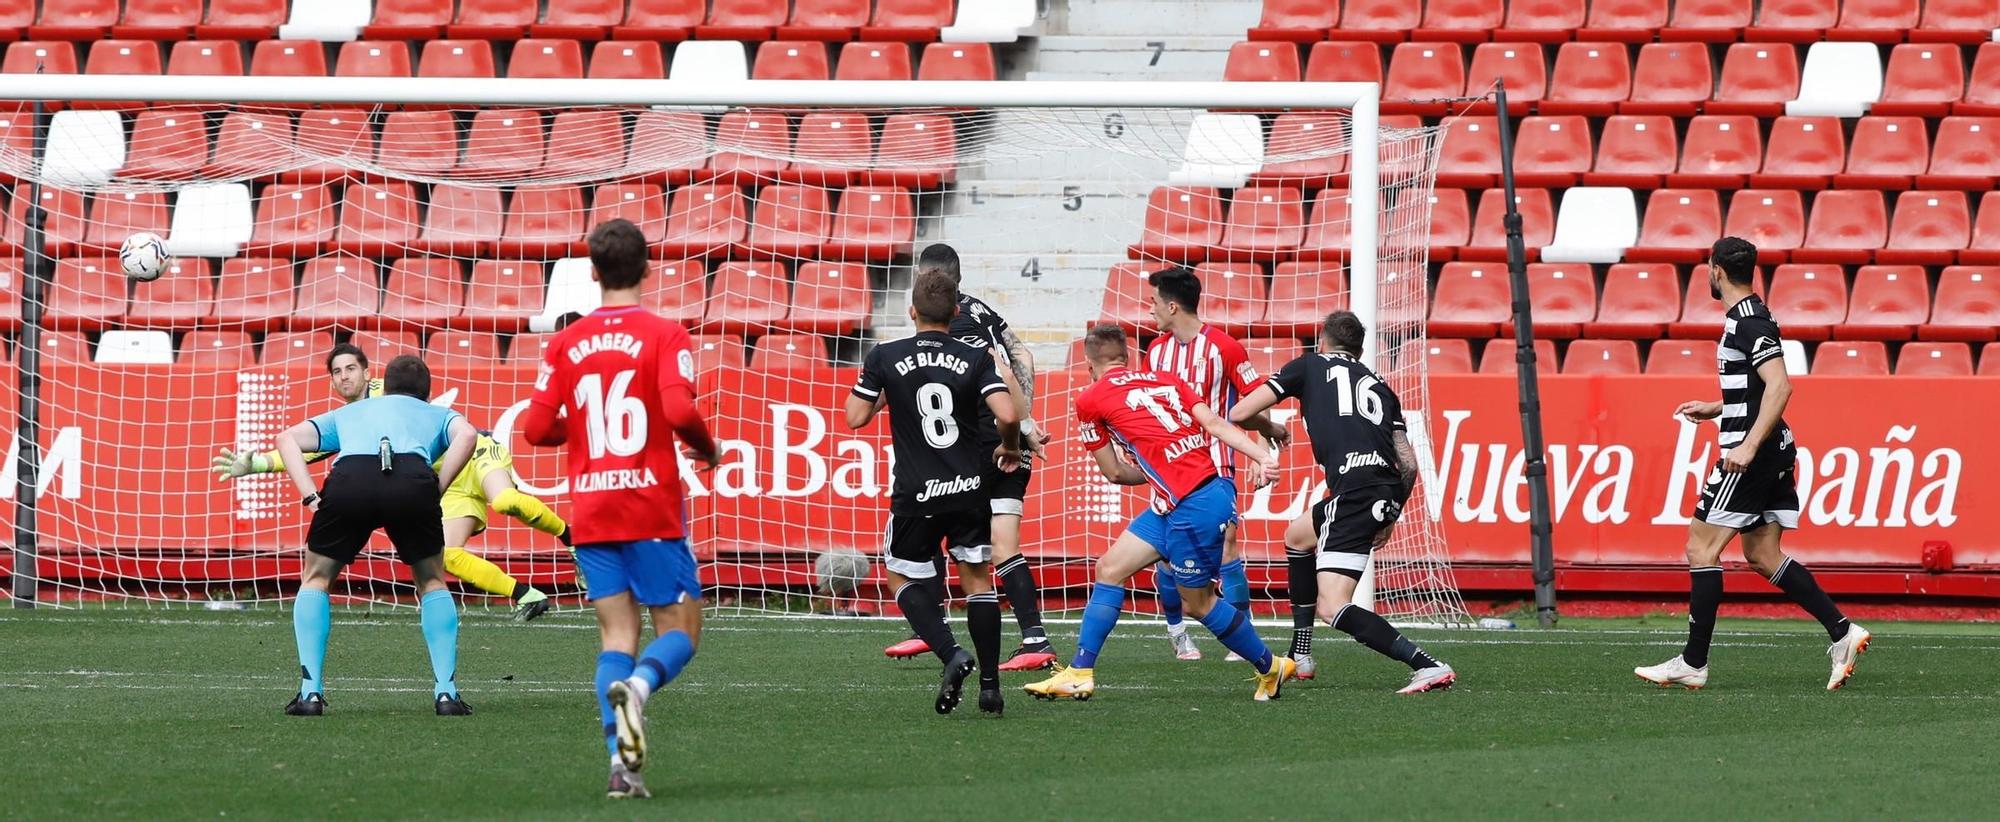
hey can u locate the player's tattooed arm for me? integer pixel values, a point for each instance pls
(1021, 363)
(1116, 470)
(1406, 460)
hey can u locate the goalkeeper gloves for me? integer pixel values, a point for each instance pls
(229, 464)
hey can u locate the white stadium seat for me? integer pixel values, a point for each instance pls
(210, 221)
(136, 348)
(85, 148)
(1594, 225)
(1839, 80)
(1223, 150)
(330, 20)
(992, 21)
(570, 290)
(1795, 357)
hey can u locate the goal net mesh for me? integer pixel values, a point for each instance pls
(783, 239)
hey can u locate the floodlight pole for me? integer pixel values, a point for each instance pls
(1535, 468)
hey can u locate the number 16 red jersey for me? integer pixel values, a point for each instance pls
(1150, 415)
(609, 374)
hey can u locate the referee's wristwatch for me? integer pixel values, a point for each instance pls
(309, 499)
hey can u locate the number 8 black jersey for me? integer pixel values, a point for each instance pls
(934, 386)
(1351, 417)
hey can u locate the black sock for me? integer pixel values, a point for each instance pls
(939, 592)
(1019, 583)
(1375, 632)
(1798, 583)
(1704, 594)
(1302, 582)
(926, 618)
(521, 589)
(982, 619)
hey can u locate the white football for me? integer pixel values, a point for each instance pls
(144, 256)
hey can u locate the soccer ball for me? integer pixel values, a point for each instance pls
(839, 572)
(144, 256)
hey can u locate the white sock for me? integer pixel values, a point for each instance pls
(639, 686)
(1177, 629)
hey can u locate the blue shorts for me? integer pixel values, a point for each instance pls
(657, 571)
(1189, 537)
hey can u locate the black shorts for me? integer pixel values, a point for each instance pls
(1006, 489)
(358, 498)
(1766, 491)
(913, 541)
(1347, 525)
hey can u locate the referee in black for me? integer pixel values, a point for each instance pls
(382, 478)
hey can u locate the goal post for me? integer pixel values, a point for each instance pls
(445, 217)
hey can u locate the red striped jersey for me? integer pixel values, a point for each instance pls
(1149, 415)
(1219, 370)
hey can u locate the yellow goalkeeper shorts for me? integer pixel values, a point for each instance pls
(467, 496)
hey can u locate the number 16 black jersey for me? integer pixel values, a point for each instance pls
(934, 386)
(1351, 417)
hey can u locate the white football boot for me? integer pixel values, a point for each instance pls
(1845, 652)
(1673, 672)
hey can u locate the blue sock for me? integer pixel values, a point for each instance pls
(664, 658)
(440, 618)
(1098, 619)
(611, 667)
(1237, 634)
(1236, 585)
(312, 620)
(1170, 595)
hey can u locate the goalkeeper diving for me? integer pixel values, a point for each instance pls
(488, 480)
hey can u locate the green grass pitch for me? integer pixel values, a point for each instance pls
(176, 714)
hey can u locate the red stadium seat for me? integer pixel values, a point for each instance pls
(546, 59)
(1808, 300)
(66, 220)
(751, 146)
(254, 293)
(1968, 305)
(502, 296)
(1519, 65)
(1462, 21)
(223, 350)
(408, 19)
(1297, 21)
(1928, 228)
(789, 222)
(260, 144)
(908, 21)
(1563, 297)
(456, 58)
(1344, 61)
(660, 20)
(705, 221)
(873, 61)
(1701, 312)
(1420, 72)
(373, 58)
(1541, 21)
(157, 20)
(1793, 21)
(1498, 358)
(827, 20)
(1489, 232)
(642, 204)
(830, 298)
(1266, 223)
(377, 220)
(426, 291)
(668, 147)
(749, 297)
(26, 56)
(1670, 78)
(1182, 224)
(418, 143)
(1637, 151)
(1934, 359)
(1966, 154)
(503, 144)
(791, 60)
(1128, 298)
(1982, 91)
(1886, 153)
(1616, 357)
(1846, 227)
(838, 144)
(166, 144)
(462, 349)
(1451, 221)
(1624, 21)
(297, 348)
(292, 221)
(1269, 355)
(87, 293)
(1956, 21)
(1677, 357)
(1639, 300)
(678, 290)
(74, 20)
(584, 143)
(1590, 78)
(713, 351)
(1438, 356)
(872, 224)
(1851, 359)
(1757, 78)
(1381, 21)
(579, 19)
(1708, 21)
(788, 352)
(1922, 80)
(1679, 227)
(528, 350)
(1327, 233)
(337, 289)
(750, 20)
(242, 19)
(1302, 294)
(214, 58)
(1233, 296)
(1985, 246)
(288, 58)
(1308, 137)
(1471, 300)
(1875, 21)
(181, 298)
(1888, 302)
(1804, 152)
(1470, 156)
(120, 57)
(1720, 152)
(915, 151)
(344, 136)
(493, 19)
(386, 345)
(1262, 62)
(543, 222)
(116, 215)
(1551, 151)
(626, 60)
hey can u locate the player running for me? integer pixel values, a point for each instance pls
(1219, 370)
(617, 387)
(1164, 429)
(1752, 490)
(933, 384)
(1356, 425)
(490, 476)
(977, 324)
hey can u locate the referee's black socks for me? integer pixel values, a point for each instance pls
(1014, 577)
(926, 617)
(1798, 583)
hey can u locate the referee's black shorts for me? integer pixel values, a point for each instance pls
(358, 498)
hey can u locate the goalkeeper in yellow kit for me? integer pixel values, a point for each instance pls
(487, 479)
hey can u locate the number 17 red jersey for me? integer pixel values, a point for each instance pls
(1150, 415)
(609, 375)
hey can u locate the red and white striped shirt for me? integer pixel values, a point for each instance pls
(1219, 370)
